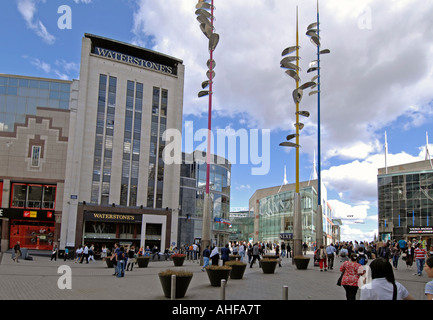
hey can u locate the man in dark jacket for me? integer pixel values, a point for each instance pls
(255, 255)
(225, 254)
(17, 250)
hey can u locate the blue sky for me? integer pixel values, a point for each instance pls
(378, 77)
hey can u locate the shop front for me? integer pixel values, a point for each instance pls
(104, 226)
(423, 235)
(106, 229)
(34, 229)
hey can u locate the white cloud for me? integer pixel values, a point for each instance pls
(27, 8)
(372, 76)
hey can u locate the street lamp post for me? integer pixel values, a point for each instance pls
(313, 32)
(205, 15)
(293, 72)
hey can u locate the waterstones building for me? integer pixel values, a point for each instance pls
(114, 185)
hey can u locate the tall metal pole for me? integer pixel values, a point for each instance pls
(206, 236)
(319, 224)
(297, 213)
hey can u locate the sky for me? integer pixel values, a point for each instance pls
(378, 78)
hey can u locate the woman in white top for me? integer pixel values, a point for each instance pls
(383, 286)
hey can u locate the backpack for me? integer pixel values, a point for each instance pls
(362, 259)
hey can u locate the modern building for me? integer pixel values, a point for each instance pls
(117, 186)
(191, 200)
(242, 226)
(273, 209)
(405, 201)
(34, 134)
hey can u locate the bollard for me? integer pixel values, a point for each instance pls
(285, 293)
(223, 289)
(173, 287)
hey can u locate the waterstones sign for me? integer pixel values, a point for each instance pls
(133, 60)
(112, 217)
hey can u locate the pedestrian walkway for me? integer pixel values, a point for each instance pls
(38, 280)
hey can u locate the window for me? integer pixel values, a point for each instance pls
(33, 196)
(36, 156)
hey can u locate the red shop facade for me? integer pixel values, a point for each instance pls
(34, 229)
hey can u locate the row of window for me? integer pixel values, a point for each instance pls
(33, 196)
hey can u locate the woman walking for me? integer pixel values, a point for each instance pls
(352, 271)
(395, 253)
(383, 285)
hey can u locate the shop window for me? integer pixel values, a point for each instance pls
(33, 196)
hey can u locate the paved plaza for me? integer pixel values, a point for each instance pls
(38, 280)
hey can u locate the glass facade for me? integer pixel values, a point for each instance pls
(157, 145)
(404, 200)
(21, 96)
(276, 215)
(131, 144)
(191, 201)
(104, 139)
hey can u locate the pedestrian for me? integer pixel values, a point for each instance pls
(344, 254)
(283, 249)
(322, 257)
(225, 254)
(79, 253)
(255, 254)
(104, 252)
(351, 270)
(85, 254)
(362, 256)
(250, 252)
(330, 252)
(410, 252)
(66, 254)
(214, 256)
(384, 251)
(429, 285)
(120, 258)
(420, 254)
(395, 254)
(206, 257)
(155, 252)
(114, 258)
(91, 253)
(289, 250)
(194, 250)
(304, 248)
(54, 253)
(131, 258)
(242, 251)
(17, 251)
(383, 285)
(277, 253)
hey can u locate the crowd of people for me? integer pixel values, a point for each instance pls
(384, 257)
(356, 258)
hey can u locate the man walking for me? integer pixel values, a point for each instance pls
(420, 254)
(255, 255)
(17, 250)
(330, 250)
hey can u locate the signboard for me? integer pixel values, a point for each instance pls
(286, 236)
(27, 214)
(113, 217)
(420, 230)
(133, 60)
